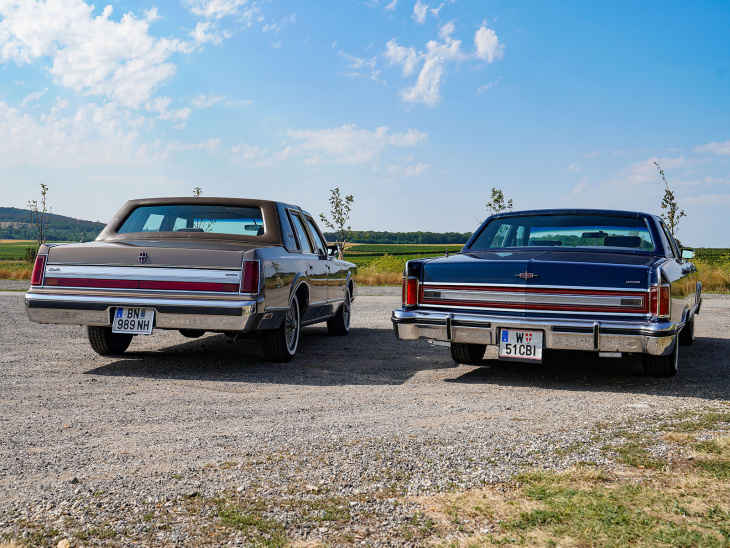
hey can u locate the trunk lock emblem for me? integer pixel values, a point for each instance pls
(143, 257)
(526, 275)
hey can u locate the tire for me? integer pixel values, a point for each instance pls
(106, 343)
(662, 366)
(468, 354)
(192, 333)
(340, 323)
(687, 335)
(279, 345)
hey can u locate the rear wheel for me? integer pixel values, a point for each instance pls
(339, 324)
(279, 345)
(687, 335)
(106, 343)
(469, 354)
(662, 366)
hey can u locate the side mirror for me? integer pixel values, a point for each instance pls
(333, 251)
(688, 253)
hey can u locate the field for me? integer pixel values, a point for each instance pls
(382, 264)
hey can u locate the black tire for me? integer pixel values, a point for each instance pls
(687, 335)
(192, 333)
(469, 354)
(662, 366)
(339, 324)
(279, 345)
(106, 343)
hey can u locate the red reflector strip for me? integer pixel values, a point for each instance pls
(142, 284)
(38, 268)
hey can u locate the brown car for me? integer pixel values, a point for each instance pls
(222, 265)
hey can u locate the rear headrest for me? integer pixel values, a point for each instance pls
(622, 241)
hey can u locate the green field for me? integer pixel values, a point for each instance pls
(15, 251)
(364, 255)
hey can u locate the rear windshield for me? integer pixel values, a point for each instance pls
(211, 219)
(591, 231)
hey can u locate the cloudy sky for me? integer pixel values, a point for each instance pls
(418, 108)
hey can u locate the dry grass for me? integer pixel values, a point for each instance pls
(368, 277)
(715, 279)
(15, 273)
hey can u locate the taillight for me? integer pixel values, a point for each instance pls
(660, 300)
(410, 291)
(38, 268)
(250, 280)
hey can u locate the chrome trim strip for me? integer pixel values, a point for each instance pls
(138, 302)
(536, 311)
(535, 286)
(110, 293)
(147, 273)
(530, 298)
(136, 265)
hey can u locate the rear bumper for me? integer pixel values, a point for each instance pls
(656, 338)
(206, 314)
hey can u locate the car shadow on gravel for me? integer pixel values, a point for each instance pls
(365, 356)
(704, 372)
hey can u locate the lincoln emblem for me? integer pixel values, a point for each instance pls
(142, 257)
(526, 275)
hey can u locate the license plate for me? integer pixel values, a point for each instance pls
(137, 321)
(520, 345)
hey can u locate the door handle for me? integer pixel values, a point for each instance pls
(311, 267)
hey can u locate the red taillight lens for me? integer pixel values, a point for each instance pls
(250, 281)
(38, 269)
(660, 301)
(410, 291)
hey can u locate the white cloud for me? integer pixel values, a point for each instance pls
(485, 87)
(435, 58)
(406, 171)
(419, 11)
(360, 67)
(206, 101)
(715, 148)
(205, 32)
(350, 145)
(276, 27)
(160, 106)
(391, 6)
(33, 96)
(486, 45)
(217, 9)
(90, 54)
(573, 167)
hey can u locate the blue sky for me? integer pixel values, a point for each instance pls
(417, 108)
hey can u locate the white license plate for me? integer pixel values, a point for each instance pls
(517, 344)
(137, 321)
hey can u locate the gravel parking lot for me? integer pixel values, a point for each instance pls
(147, 447)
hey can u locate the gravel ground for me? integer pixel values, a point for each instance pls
(155, 447)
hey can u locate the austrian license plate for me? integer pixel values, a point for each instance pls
(520, 345)
(137, 321)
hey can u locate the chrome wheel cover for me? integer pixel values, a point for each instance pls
(346, 310)
(291, 327)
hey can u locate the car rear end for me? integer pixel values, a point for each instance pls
(607, 298)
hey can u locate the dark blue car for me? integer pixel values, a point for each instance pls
(612, 282)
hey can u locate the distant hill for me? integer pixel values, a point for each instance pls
(15, 225)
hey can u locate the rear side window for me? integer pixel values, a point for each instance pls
(571, 231)
(302, 235)
(319, 244)
(211, 219)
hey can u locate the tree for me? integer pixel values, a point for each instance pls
(197, 192)
(39, 216)
(669, 203)
(340, 212)
(497, 203)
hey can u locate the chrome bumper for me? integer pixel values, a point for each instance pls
(205, 314)
(644, 337)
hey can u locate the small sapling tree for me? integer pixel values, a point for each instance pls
(672, 214)
(197, 192)
(497, 203)
(340, 212)
(39, 216)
